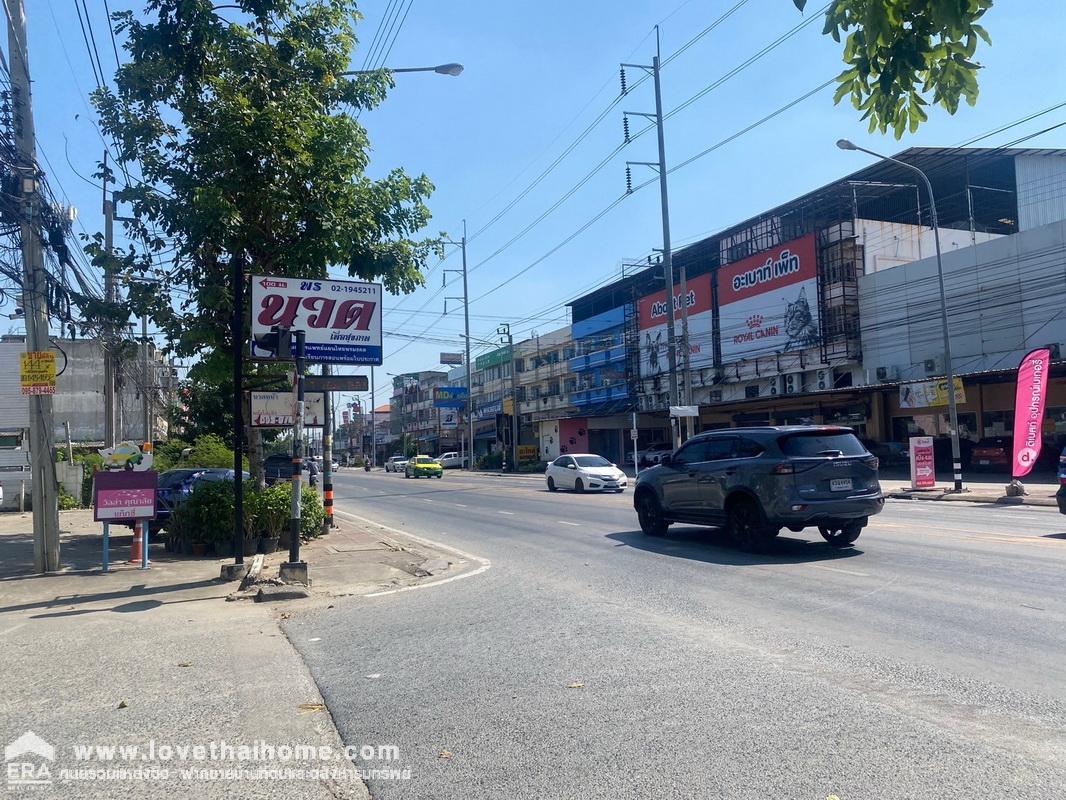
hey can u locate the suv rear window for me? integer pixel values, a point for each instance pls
(818, 443)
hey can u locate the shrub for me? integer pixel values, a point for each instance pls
(536, 466)
(211, 452)
(490, 461)
(275, 511)
(67, 501)
(207, 514)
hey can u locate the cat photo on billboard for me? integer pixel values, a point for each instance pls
(799, 323)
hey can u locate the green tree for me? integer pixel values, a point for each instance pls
(898, 52)
(243, 130)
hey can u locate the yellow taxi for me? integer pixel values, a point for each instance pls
(423, 465)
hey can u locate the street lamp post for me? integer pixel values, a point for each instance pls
(956, 453)
(451, 69)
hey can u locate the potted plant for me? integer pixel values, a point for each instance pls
(273, 511)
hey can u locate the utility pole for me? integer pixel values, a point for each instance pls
(373, 422)
(668, 266)
(469, 366)
(146, 389)
(294, 570)
(107, 332)
(35, 302)
(327, 457)
(505, 332)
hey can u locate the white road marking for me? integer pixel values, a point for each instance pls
(484, 563)
(842, 571)
(426, 500)
(13, 628)
(508, 513)
(460, 505)
(564, 522)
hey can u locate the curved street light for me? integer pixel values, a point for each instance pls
(956, 458)
(450, 68)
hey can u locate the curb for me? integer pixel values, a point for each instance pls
(1046, 502)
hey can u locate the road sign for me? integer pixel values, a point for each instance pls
(336, 383)
(923, 468)
(37, 372)
(634, 434)
(451, 358)
(278, 409)
(341, 320)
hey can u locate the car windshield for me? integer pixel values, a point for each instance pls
(592, 461)
(424, 460)
(821, 443)
(175, 477)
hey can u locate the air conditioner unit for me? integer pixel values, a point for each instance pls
(887, 374)
(823, 379)
(716, 395)
(774, 386)
(932, 366)
(793, 383)
(751, 391)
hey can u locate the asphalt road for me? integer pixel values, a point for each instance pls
(590, 661)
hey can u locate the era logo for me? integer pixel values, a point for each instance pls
(28, 773)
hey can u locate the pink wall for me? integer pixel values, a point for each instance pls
(573, 436)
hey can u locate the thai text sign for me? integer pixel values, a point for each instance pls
(926, 394)
(37, 372)
(1029, 410)
(278, 409)
(341, 320)
(124, 495)
(493, 359)
(923, 468)
(768, 302)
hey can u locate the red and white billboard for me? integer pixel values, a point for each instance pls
(768, 302)
(654, 312)
(1029, 410)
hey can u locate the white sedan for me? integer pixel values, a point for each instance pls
(584, 472)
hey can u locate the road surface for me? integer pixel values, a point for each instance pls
(590, 661)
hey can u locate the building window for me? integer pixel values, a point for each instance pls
(570, 385)
(520, 365)
(553, 389)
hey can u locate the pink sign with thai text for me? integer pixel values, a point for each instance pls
(124, 495)
(923, 467)
(1029, 410)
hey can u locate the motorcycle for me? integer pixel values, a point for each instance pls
(366, 466)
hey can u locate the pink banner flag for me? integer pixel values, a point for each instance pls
(1029, 410)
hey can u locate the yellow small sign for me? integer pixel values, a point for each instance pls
(37, 371)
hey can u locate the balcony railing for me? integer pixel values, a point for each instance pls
(598, 359)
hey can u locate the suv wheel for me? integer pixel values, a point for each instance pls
(650, 515)
(551, 484)
(841, 534)
(747, 525)
(579, 487)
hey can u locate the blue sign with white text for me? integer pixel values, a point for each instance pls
(450, 396)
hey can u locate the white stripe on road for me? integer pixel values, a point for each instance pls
(460, 505)
(564, 522)
(13, 629)
(508, 513)
(426, 500)
(842, 571)
(484, 562)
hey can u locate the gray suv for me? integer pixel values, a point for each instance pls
(755, 481)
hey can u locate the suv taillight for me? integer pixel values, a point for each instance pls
(793, 467)
(784, 469)
(873, 462)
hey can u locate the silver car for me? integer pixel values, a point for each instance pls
(755, 481)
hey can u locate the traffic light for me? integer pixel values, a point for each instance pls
(277, 343)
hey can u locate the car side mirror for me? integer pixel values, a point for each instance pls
(571, 466)
(666, 459)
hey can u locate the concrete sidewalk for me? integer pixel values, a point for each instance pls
(131, 657)
(1039, 494)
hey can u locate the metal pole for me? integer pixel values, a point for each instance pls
(107, 332)
(469, 366)
(70, 446)
(237, 335)
(374, 423)
(35, 302)
(953, 415)
(668, 265)
(146, 408)
(514, 404)
(297, 449)
(327, 459)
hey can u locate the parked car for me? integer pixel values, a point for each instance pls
(585, 472)
(1061, 494)
(888, 453)
(423, 465)
(652, 455)
(278, 468)
(755, 481)
(396, 464)
(452, 461)
(175, 486)
(993, 454)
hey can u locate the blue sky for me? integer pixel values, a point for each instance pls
(536, 75)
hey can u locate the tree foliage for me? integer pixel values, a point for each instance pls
(245, 134)
(899, 52)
